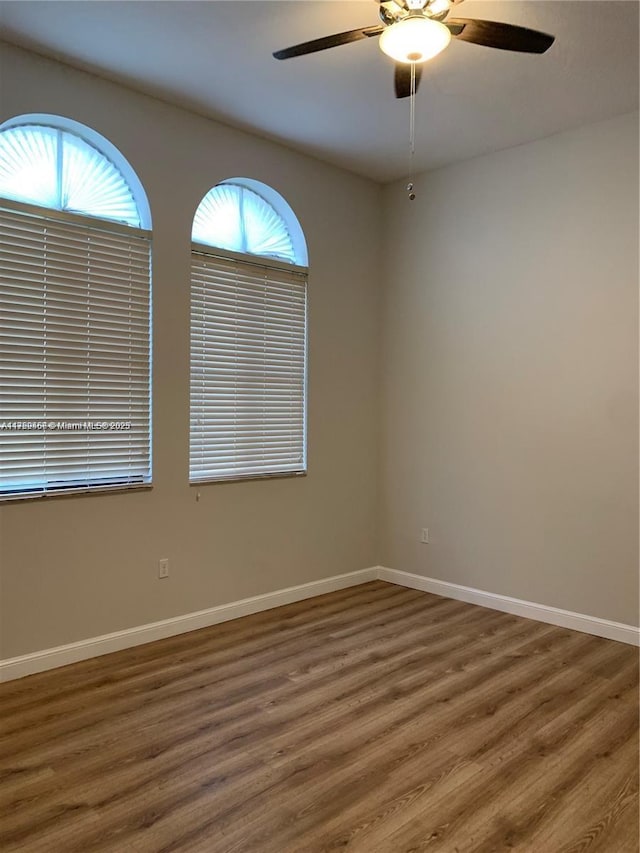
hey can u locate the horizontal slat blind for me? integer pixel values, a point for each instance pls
(74, 355)
(248, 369)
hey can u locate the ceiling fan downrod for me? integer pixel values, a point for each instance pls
(412, 131)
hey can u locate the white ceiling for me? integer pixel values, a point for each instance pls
(338, 105)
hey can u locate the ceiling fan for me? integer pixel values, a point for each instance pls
(414, 31)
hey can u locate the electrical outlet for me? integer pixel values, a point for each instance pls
(163, 568)
(424, 536)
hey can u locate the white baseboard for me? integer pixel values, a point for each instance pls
(73, 652)
(18, 667)
(540, 612)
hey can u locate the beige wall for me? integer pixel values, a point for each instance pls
(506, 342)
(73, 568)
(511, 373)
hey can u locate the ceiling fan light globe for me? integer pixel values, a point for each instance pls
(414, 39)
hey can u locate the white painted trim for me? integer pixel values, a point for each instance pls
(40, 661)
(540, 612)
(62, 655)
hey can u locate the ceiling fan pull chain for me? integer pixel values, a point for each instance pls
(412, 130)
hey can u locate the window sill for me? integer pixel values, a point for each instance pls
(88, 491)
(239, 478)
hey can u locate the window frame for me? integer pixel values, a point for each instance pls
(108, 226)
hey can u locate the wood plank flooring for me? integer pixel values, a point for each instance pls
(377, 719)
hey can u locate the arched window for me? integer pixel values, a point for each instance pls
(74, 312)
(242, 215)
(248, 335)
(62, 171)
(233, 217)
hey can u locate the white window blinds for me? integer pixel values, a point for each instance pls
(248, 368)
(74, 354)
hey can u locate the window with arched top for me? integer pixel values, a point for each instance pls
(74, 312)
(248, 335)
(60, 170)
(232, 216)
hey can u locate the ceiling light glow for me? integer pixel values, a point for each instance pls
(414, 39)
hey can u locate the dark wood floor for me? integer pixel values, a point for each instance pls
(377, 719)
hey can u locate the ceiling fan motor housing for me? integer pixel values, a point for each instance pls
(392, 11)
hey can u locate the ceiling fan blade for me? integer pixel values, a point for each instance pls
(327, 42)
(502, 36)
(402, 79)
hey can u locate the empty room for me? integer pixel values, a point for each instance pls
(319, 470)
